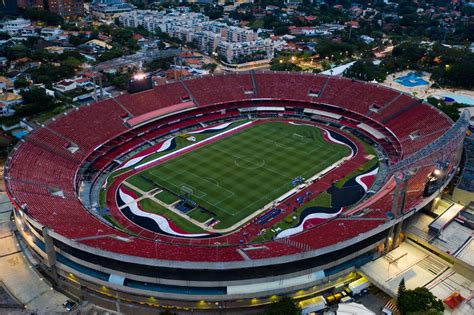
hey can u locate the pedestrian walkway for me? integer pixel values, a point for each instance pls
(420, 268)
(20, 278)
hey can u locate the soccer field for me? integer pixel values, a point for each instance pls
(238, 174)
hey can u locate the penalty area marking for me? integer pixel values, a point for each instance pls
(227, 193)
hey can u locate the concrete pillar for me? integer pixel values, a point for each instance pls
(403, 192)
(389, 240)
(396, 234)
(50, 253)
(396, 195)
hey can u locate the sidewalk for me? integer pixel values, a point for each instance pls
(21, 280)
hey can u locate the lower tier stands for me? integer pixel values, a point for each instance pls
(41, 170)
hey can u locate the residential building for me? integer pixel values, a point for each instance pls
(14, 27)
(232, 42)
(8, 101)
(98, 45)
(51, 33)
(246, 51)
(207, 41)
(66, 8)
(109, 10)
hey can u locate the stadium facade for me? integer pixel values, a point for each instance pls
(54, 175)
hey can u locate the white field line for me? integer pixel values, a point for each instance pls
(192, 145)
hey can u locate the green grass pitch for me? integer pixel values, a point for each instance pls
(238, 174)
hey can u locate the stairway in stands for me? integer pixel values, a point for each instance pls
(254, 83)
(189, 93)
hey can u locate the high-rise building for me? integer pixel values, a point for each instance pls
(31, 4)
(66, 8)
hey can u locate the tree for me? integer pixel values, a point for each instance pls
(326, 48)
(283, 64)
(119, 80)
(41, 55)
(77, 40)
(210, 66)
(410, 52)
(35, 101)
(285, 306)
(401, 288)
(213, 11)
(21, 82)
(452, 110)
(111, 54)
(49, 73)
(367, 71)
(4, 36)
(17, 51)
(71, 62)
(419, 301)
(157, 64)
(48, 17)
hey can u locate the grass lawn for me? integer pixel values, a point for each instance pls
(322, 200)
(182, 143)
(166, 197)
(200, 215)
(153, 207)
(115, 223)
(141, 182)
(357, 172)
(102, 198)
(239, 174)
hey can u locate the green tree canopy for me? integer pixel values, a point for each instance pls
(157, 64)
(48, 17)
(278, 64)
(35, 101)
(367, 71)
(285, 306)
(419, 301)
(21, 82)
(210, 66)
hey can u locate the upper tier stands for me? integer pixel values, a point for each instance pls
(230, 88)
(56, 143)
(35, 164)
(42, 169)
(395, 106)
(91, 126)
(414, 130)
(290, 86)
(355, 96)
(150, 100)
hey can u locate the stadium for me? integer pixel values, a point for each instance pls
(226, 192)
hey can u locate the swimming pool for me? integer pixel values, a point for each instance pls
(20, 133)
(458, 98)
(411, 80)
